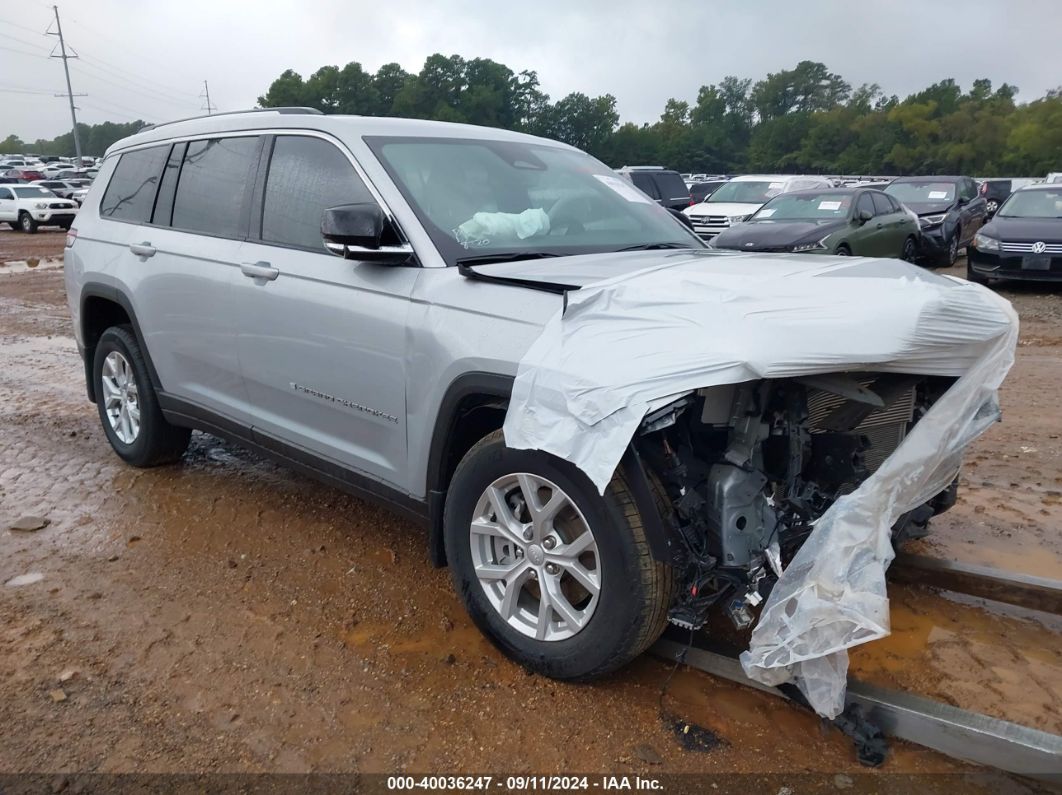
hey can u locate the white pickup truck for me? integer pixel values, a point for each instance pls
(26, 207)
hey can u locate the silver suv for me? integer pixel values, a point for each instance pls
(318, 288)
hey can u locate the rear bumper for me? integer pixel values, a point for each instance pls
(1011, 266)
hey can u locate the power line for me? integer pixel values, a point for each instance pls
(23, 41)
(69, 89)
(130, 89)
(206, 92)
(142, 83)
(23, 52)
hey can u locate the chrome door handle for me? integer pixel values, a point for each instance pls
(259, 270)
(144, 249)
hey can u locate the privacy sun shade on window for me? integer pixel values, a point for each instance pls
(131, 191)
(306, 176)
(482, 197)
(214, 182)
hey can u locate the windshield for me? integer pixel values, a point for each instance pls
(926, 192)
(478, 198)
(1044, 203)
(746, 192)
(805, 207)
(32, 192)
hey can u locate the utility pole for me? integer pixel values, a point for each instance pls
(69, 90)
(206, 92)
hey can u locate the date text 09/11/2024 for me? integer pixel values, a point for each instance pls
(521, 783)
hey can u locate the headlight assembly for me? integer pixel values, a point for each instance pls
(983, 242)
(929, 221)
(818, 246)
(737, 219)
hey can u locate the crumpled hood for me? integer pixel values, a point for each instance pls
(927, 208)
(721, 208)
(775, 234)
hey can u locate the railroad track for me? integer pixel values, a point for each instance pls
(958, 733)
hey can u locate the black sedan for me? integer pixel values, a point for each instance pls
(1023, 240)
(949, 210)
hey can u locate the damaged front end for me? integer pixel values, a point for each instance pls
(747, 470)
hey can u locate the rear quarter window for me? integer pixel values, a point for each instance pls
(672, 186)
(130, 194)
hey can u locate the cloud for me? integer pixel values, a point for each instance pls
(148, 59)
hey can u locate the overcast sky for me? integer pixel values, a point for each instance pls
(147, 58)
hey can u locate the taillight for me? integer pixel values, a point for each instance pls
(692, 202)
(71, 236)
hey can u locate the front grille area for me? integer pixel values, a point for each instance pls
(1027, 248)
(708, 226)
(60, 206)
(884, 428)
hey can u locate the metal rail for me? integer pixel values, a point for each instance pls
(1023, 590)
(958, 733)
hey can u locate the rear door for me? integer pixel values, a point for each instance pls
(322, 340)
(187, 258)
(645, 182)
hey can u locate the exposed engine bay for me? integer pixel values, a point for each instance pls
(749, 468)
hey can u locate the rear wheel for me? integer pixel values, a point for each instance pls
(843, 250)
(559, 577)
(27, 224)
(128, 406)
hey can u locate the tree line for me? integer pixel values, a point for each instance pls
(805, 119)
(95, 138)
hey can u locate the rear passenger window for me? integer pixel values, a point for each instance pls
(882, 206)
(645, 182)
(215, 179)
(306, 177)
(130, 194)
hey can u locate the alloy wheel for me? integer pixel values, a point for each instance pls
(535, 557)
(121, 397)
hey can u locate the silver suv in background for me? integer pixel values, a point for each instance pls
(353, 296)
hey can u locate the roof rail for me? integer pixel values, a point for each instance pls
(287, 111)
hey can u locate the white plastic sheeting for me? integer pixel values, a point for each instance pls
(625, 343)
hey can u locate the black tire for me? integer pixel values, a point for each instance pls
(636, 590)
(910, 250)
(26, 223)
(157, 442)
(843, 250)
(951, 256)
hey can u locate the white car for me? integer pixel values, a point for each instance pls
(26, 207)
(54, 168)
(741, 197)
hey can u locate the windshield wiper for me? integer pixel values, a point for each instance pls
(652, 246)
(506, 256)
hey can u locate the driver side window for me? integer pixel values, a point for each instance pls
(865, 204)
(307, 175)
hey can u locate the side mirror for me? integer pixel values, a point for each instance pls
(863, 216)
(363, 232)
(960, 201)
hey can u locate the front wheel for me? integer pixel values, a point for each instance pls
(952, 255)
(843, 250)
(559, 577)
(910, 250)
(27, 224)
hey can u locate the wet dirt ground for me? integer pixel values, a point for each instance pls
(226, 614)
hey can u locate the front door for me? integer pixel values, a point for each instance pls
(322, 341)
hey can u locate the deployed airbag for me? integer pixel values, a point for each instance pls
(623, 344)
